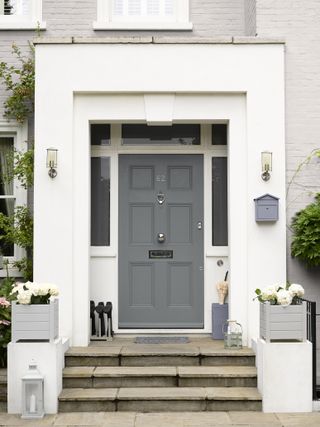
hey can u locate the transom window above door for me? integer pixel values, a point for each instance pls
(21, 14)
(142, 15)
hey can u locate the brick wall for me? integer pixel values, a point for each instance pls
(298, 23)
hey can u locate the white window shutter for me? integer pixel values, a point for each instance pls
(134, 7)
(169, 7)
(153, 7)
(118, 7)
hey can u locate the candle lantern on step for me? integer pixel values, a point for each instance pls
(232, 331)
(32, 393)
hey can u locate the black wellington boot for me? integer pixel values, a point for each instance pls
(108, 311)
(93, 318)
(100, 311)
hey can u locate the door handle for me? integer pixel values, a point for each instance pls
(161, 237)
(199, 225)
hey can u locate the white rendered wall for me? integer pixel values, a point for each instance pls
(49, 358)
(284, 381)
(257, 252)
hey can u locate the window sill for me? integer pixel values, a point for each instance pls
(13, 272)
(136, 26)
(23, 25)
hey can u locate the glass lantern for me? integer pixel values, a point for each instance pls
(32, 393)
(232, 331)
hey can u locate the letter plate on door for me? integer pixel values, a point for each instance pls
(159, 254)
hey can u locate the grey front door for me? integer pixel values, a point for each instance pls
(161, 241)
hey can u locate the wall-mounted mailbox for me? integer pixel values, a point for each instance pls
(267, 208)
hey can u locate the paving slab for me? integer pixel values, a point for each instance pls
(232, 393)
(88, 394)
(159, 350)
(105, 419)
(16, 420)
(79, 419)
(137, 371)
(216, 371)
(183, 419)
(78, 372)
(299, 419)
(215, 350)
(253, 418)
(164, 393)
(94, 351)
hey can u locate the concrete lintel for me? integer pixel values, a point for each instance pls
(112, 40)
(258, 40)
(157, 40)
(192, 40)
(52, 40)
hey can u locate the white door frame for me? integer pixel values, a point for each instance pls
(103, 256)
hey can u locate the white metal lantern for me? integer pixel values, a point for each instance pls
(232, 334)
(32, 393)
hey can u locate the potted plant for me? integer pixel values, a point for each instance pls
(282, 313)
(35, 313)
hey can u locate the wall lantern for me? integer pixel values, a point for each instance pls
(32, 393)
(52, 161)
(266, 164)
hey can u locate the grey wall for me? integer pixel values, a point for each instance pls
(298, 23)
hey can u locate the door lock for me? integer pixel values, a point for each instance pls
(199, 225)
(161, 237)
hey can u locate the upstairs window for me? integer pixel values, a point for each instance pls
(143, 15)
(21, 14)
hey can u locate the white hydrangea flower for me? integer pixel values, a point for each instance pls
(24, 297)
(296, 290)
(269, 293)
(43, 289)
(18, 287)
(284, 297)
(54, 291)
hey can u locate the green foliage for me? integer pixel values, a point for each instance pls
(22, 169)
(25, 265)
(306, 234)
(18, 230)
(19, 81)
(5, 315)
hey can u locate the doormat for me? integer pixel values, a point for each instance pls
(161, 340)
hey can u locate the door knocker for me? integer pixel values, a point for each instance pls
(161, 198)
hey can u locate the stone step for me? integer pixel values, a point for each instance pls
(154, 399)
(165, 376)
(158, 355)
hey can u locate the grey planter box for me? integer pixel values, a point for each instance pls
(278, 323)
(35, 322)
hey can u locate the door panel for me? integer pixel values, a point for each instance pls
(160, 282)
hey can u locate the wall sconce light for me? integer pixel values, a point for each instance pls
(266, 163)
(52, 161)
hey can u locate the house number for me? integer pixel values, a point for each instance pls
(161, 178)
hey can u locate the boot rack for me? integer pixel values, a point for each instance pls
(101, 321)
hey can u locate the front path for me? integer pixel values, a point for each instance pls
(191, 419)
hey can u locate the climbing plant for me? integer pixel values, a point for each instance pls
(19, 82)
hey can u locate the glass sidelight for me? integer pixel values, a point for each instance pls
(100, 201)
(219, 201)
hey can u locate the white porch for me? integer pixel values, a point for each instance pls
(238, 83)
